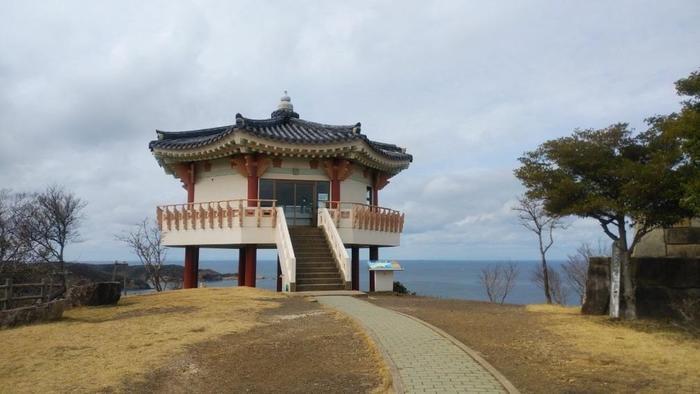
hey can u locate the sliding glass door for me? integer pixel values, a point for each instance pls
(298, 199)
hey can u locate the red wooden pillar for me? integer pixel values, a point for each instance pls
(252, 190)
(241, 266)
(191, 268)
(373, 253)
(250, 263)
(355, 268)
(252, 164)
(186, 173)
(373, 256)
(279, 275)
(335, 191)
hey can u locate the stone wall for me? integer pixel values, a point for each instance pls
(32, 314)
(666, 287)
(681, 240)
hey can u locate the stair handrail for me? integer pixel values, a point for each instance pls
(285, 252)
(340, 254)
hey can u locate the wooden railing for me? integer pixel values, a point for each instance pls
(214, 214)
(340, 254)
(10, 300)
(285, 252)
(366, 217)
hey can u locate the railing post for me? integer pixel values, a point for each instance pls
(8, 293)
(4, 300)
(43, 290)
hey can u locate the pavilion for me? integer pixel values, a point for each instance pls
(307, 189)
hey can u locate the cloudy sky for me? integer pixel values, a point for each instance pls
(466, 86)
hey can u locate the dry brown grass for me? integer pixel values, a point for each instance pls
(652, 347)
(93, 349)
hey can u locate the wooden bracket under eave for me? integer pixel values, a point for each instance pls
(381, 180)
(337, 169)
(184, 172)
(251, 165)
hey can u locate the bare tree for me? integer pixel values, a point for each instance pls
(14, 248)
(557, 287)
(532, 216)
(498, 281)
(53, 222)
(576, 267)
(145, 241)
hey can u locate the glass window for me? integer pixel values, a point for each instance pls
(323, 193)
(368, 198)
(266, 192)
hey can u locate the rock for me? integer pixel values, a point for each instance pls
(93, 294)
(32, 314)
(597, 287)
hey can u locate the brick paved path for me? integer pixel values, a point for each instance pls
(426, 361)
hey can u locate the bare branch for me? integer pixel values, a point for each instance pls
(498, 281)
(145, 241)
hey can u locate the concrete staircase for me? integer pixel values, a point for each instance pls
(316, 268)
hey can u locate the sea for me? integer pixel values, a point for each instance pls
(435, 278)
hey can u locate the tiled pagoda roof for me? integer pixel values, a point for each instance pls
(284, 128)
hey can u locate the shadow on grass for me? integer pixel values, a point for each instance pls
(131, 314)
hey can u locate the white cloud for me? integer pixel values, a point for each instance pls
(466, 87)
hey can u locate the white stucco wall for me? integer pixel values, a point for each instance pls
(353, 190)
(221, 182)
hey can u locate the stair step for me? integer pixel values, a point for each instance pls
(302, 282)
(317, 275)
(320, 287)
(316, 268)
(315, 258)
(312, 269)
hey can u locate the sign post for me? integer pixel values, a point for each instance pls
(615, 281)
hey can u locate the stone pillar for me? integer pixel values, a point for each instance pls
(279, 275)
(250, 265)
(355, 267)
(241, 266)
(597, 299)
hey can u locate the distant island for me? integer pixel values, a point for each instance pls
(136, 275)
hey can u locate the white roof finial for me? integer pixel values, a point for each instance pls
(285, 103)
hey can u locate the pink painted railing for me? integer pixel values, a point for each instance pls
(366, 217)
(214, 214)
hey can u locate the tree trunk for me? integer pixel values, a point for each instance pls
(545, 279)
(628, 287)
(629, 310)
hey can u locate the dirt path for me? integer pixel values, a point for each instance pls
(555, 350)
(299, 348)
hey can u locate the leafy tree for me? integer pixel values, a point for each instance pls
(622, 180)
(685, 126)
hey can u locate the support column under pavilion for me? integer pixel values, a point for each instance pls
(190, 276)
